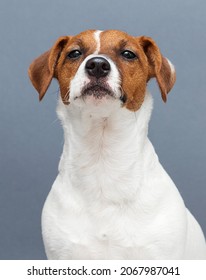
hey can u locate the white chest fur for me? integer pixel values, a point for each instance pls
(112, 199)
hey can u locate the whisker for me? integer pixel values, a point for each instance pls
(56, 120)
(66, 97)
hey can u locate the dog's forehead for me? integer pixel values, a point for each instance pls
(113, 37)
(100, 41)
(86, 38)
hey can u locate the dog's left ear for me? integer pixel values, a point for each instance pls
(159, 67)
(42, 69)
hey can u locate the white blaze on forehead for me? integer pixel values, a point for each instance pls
(97, 39)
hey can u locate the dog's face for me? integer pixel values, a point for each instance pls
(99, 68)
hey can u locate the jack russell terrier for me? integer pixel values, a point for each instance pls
(112, 198)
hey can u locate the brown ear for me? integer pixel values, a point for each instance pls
(41, 71)
(159, 67)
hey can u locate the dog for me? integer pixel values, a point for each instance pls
(112, 199)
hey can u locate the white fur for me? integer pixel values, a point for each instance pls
(171, 66)
(112, 198)
(97, 38)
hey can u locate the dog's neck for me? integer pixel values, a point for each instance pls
(106, 154)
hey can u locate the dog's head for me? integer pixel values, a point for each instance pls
(97, 67)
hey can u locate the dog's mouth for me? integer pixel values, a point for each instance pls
(97, 91)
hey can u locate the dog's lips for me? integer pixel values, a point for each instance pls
(97, 90)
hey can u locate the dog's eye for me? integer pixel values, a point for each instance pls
(74, 54)
(128, 55)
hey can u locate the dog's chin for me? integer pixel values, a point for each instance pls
(97, 92)
(99, 100)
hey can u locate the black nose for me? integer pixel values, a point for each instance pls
(98, 67)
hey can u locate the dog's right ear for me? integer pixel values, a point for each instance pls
(41, 71)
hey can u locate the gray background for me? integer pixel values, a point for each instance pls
(31, 138)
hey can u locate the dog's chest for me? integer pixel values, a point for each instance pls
(97, 231)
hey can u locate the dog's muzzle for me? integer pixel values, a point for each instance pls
(100, 79)
(97, 69)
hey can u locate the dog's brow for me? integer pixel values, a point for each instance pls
(123, 43)
(79, 42)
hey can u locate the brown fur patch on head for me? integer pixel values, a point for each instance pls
(133, 73)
